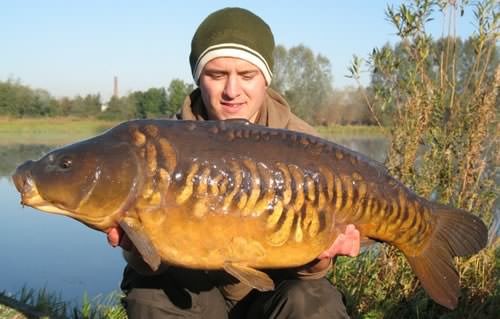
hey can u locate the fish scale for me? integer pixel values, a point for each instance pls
(198, 179)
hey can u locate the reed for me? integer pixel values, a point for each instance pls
(444, 146)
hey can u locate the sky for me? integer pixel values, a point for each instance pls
(77, 47)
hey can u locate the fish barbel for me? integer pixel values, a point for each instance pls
(235, 196)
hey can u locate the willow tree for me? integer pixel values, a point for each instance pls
(444, 145)
(304, 78)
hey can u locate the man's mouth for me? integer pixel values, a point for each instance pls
(232, 107)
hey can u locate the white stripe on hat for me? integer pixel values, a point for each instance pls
(233, 50)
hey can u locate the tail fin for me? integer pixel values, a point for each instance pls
(457, 233)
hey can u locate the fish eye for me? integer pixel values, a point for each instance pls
(65, 163)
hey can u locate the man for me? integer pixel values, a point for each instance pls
(231, 60)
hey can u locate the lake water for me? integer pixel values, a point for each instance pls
(43, 250)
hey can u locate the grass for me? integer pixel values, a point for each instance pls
(49, 131)
(349, 130)
(380, 284)
(31, 303)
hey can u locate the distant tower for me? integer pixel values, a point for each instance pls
(115, 87)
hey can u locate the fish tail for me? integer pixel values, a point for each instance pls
(456, 233)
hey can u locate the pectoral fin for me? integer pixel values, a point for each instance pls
(250, 276)
(133, 230)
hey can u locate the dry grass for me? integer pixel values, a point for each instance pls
(444, 145)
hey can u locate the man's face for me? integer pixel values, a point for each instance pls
(232, 88)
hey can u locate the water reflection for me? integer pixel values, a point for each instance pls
(375, 148)
(13, 155)
(43, 250)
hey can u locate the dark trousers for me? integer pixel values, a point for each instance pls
(183, 293)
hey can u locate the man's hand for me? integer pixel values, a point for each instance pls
(346, 244)
(116, 237)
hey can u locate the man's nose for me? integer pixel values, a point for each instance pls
(232, 88)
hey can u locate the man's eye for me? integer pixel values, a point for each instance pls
(216, 75)
(248, 76)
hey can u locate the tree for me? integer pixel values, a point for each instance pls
(304, 78)
(8, 98)
(151, 103)
(64, 106)
(20, 100)
(465, 68)
(177, 92)
(346, 107)
(92, 104)
(42, 104)
(120, 108)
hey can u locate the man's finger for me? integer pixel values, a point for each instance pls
(353, 239)
(113, 235)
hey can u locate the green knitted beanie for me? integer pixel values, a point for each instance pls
(233, 32)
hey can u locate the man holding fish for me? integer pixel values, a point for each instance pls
(221, 203)
(231, 61)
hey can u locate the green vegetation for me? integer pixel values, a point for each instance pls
(49, 131)
(382, 285)
(350, 130)
(20, 101)
(25, 138)
(29, 303)
(155, 102)
(304, 79)
(443, 146)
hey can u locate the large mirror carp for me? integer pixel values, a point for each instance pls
(235, 196)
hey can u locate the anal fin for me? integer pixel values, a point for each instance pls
(133, 230)
(249, 276)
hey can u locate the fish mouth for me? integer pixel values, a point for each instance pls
(22, 178)
(26, 187)
(31, 197)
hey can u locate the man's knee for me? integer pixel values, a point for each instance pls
(160, 303)
(147, 303)
(308, 299)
